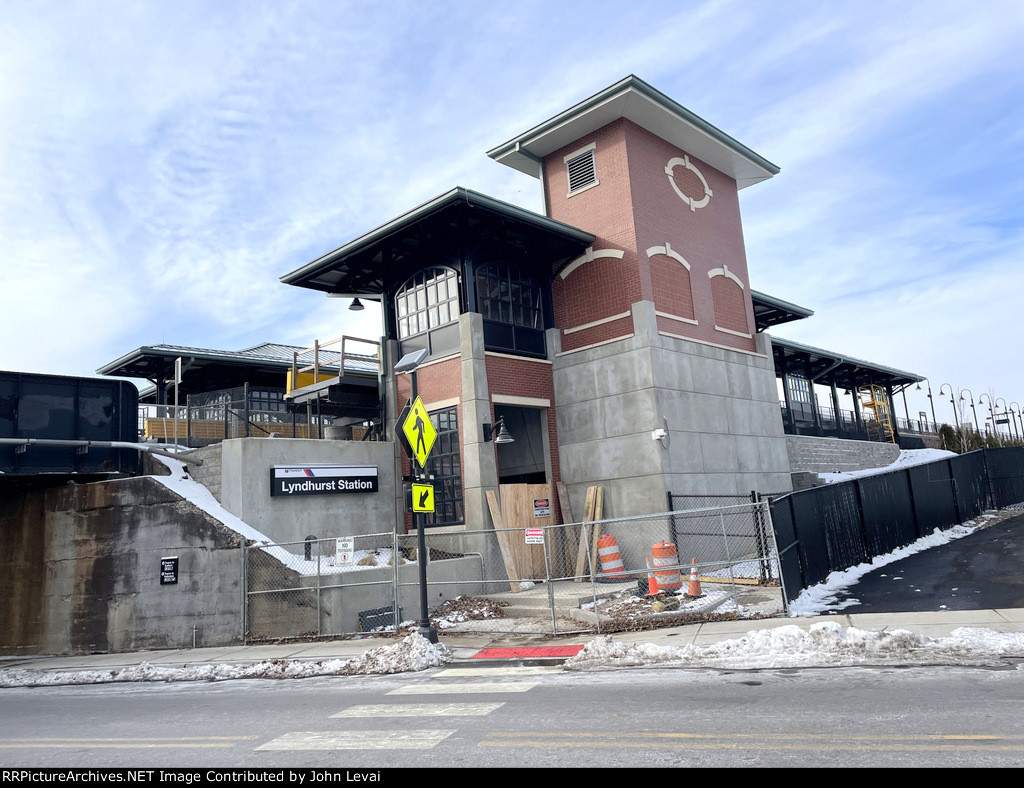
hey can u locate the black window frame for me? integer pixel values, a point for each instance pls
(445, 465)
(418, 299)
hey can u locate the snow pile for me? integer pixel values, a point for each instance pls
(825, 644)
(826, 596)
(413, 653)
(907, 458)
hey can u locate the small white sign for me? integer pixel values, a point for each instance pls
(345, 554)
(535, 536)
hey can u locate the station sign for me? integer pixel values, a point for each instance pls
(289, 480)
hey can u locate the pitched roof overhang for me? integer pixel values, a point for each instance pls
(439, 232)
(770, 311)
(635, 100)
(825, 366)
(207, 370)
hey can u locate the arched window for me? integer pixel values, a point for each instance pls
(508, 295)
(430, 299)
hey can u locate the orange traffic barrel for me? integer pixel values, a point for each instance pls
(666, 567)
(611, 560)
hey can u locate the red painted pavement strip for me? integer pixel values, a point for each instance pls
(527, 651)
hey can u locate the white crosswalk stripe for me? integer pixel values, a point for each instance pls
(358, 740)
(419, 710)
(483, 687)
(501, 671)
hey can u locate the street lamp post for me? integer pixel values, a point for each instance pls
(973, 410)
(1015, 415)
(1006, 413)
(991, 415)
(956, 419)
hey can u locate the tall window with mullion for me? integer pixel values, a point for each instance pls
(507, 295)
(445, 465)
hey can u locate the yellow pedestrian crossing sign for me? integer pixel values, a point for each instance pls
(419, 432)
(423, 498)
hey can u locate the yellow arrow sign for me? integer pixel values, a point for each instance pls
(419, 432)
(423, 498)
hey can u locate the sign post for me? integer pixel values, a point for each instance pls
(419, 435)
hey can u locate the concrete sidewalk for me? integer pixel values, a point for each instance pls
(470, 648)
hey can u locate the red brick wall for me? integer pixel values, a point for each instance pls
(606, 286)
(634, 208)
(706, 238)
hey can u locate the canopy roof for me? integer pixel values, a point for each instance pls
(206, 370)
(635, 100)
(770, 311)
(442, 231)
(824, 366)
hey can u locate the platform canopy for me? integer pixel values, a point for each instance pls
(206, 370)
(457, 227)
(770, 311)
(826, 367)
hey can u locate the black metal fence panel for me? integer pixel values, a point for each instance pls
(887, 512)
(788, 545)
(971, 479)
(934, 501)
(1006, 475)
(838, 526)
(807, 522)
(838, 507)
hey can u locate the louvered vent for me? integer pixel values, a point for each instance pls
(581, 171)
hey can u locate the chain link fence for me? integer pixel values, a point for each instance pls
(322, 587)
(612, 575)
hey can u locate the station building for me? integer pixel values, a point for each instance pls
(615, 336)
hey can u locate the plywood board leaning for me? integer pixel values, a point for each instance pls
(503, 541)
(526, 506)
(595, 531)
(569, 533)
(588, 515)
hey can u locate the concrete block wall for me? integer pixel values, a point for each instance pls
(719, 406)
(208, 473)
(833, 455)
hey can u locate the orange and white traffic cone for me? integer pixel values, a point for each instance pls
(694, 587)
(652, 581)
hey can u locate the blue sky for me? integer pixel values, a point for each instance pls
(162, 164)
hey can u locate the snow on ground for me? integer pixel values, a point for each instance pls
(825, 597)
(825, 644)
(412, 653)
(907, 458)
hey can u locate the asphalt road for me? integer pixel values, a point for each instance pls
(529, 717)
(984, 570)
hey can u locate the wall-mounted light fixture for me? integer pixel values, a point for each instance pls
(497, 432)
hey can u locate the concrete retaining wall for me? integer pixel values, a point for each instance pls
(834, 455)
(80, 571)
